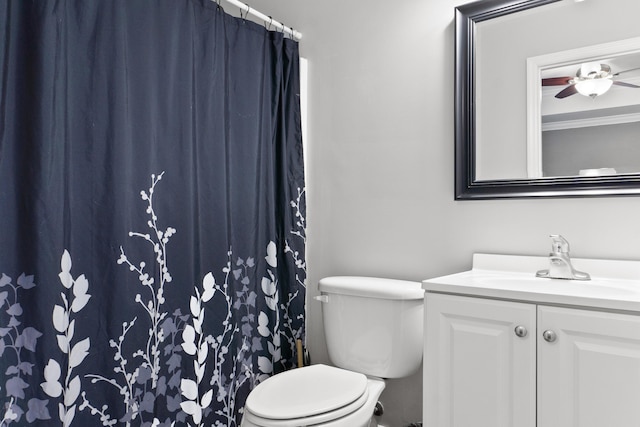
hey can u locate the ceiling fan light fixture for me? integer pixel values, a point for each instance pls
(593, 87)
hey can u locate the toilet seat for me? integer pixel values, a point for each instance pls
(306, 396)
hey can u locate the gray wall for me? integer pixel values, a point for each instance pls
(566, 152)
(380, 172)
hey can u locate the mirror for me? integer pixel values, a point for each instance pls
(514, 138)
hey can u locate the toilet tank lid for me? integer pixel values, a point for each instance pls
(371, 287)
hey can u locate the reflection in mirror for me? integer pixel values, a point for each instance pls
(584, 111)
(503, 45)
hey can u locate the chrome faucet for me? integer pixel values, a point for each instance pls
(559, 262)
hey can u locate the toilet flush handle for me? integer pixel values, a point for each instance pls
(322, 298)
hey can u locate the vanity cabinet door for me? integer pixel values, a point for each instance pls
(588, 368)
(479, 372)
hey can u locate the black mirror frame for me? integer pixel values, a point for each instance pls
(466, 186)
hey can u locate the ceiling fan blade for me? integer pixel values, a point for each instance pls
(626, 71)
(556, 81)
(568, 91)
(625, 84)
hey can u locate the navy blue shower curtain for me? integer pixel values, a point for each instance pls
(152, 212)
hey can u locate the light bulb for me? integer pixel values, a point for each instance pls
(593, 87)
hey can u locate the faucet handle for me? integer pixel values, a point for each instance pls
(560, 265)
(559, 245)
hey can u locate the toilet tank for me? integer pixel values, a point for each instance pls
(373, 325)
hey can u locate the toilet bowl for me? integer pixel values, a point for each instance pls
(373, 329)
(317, 395)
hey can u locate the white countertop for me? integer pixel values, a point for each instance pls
(614, 285)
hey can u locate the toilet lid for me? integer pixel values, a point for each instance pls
(306, 392)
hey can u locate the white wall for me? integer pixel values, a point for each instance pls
(380, 172)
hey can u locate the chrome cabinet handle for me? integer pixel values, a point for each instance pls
(549, 336)
(520, 331)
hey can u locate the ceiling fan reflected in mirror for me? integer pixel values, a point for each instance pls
(592, 79)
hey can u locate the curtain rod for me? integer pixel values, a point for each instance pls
(267, 19)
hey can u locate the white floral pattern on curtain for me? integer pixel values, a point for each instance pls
(152, 206)
(222, 364)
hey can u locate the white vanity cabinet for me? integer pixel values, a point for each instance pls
(477, 371)
(521, 353)
(589, 376)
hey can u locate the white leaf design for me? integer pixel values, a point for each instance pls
(189, 389)
(265, 365)
(68, 418)
(79, 302)
(271, 258)
(206, 399)
(65, 267)
(63, 343)
(199, 370)
(268, 287)
(203, 352)
(189, 348)
(193, 409)
(197, 415)
(189, 336)
(62, 412)
(272, 303)
(60, 318)
(73, 391)
(71, 329)
(263, 323)
(81, 286)
(65, 262)
(194, 304)
(52, 371)
(208, 284)
(66, 279)
(52, 374)
(197, 324)
(79, 352)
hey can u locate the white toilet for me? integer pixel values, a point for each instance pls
(373, 328)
